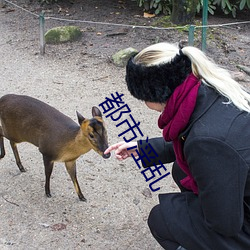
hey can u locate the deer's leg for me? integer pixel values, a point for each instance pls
(1, 144)
(71, 168)
(48, 165)
(18, 161)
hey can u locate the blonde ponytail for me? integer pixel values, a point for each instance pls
(218, 78)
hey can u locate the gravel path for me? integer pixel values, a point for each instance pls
(72, 77)
(118, 198)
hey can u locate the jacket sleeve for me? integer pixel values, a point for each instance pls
(156, 149)
(220, 173)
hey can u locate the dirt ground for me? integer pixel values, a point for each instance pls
(77, 76)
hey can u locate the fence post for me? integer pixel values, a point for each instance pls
(191, 35)
(204, 24)
(42, 31)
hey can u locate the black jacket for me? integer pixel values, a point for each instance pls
(216, 145)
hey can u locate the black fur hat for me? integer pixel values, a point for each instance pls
(156, 83)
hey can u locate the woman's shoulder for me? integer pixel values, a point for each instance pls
(215, 117)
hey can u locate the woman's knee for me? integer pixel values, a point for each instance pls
(157, 224)
(153, 218)
(159, 229)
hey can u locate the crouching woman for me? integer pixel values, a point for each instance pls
(205, 122)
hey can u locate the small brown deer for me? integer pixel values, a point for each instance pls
(59, 138)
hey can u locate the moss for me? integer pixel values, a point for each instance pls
(121, 58)
(63, 34)
(163, 22)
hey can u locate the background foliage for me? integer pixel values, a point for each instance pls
(165, 6)
(227, 6)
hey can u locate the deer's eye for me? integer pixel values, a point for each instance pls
(91, 136)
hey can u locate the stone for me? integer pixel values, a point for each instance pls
(63, 34)
(239, 76)
(121, 58)
(147, 193)
(2, 3)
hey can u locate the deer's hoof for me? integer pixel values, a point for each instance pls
(82, 198)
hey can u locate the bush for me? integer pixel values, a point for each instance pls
(165, 6)
(231, 6)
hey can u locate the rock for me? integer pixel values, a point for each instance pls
(136, 201)
(63, 34)
(120, 58)
(239, 76)
(147, 193)
(2, 3)
(45, 225)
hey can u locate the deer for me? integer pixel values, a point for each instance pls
(58, 138)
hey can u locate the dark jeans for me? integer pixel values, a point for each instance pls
(156, 222)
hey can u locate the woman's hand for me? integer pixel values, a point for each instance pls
(121, 149)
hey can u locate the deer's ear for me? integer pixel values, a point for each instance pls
(80, 118)
(96, 112)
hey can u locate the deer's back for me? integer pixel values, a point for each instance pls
(24, 118)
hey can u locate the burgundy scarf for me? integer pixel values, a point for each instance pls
(174, 119)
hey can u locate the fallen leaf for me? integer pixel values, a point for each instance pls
(58, 227)
(147, 15)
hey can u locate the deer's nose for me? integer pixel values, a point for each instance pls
(106, 156)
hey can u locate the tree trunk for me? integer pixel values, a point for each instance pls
(183, 11)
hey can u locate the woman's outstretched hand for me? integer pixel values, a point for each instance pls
(121, 149)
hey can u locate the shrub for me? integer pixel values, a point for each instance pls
(157, 6)
(165, 6)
